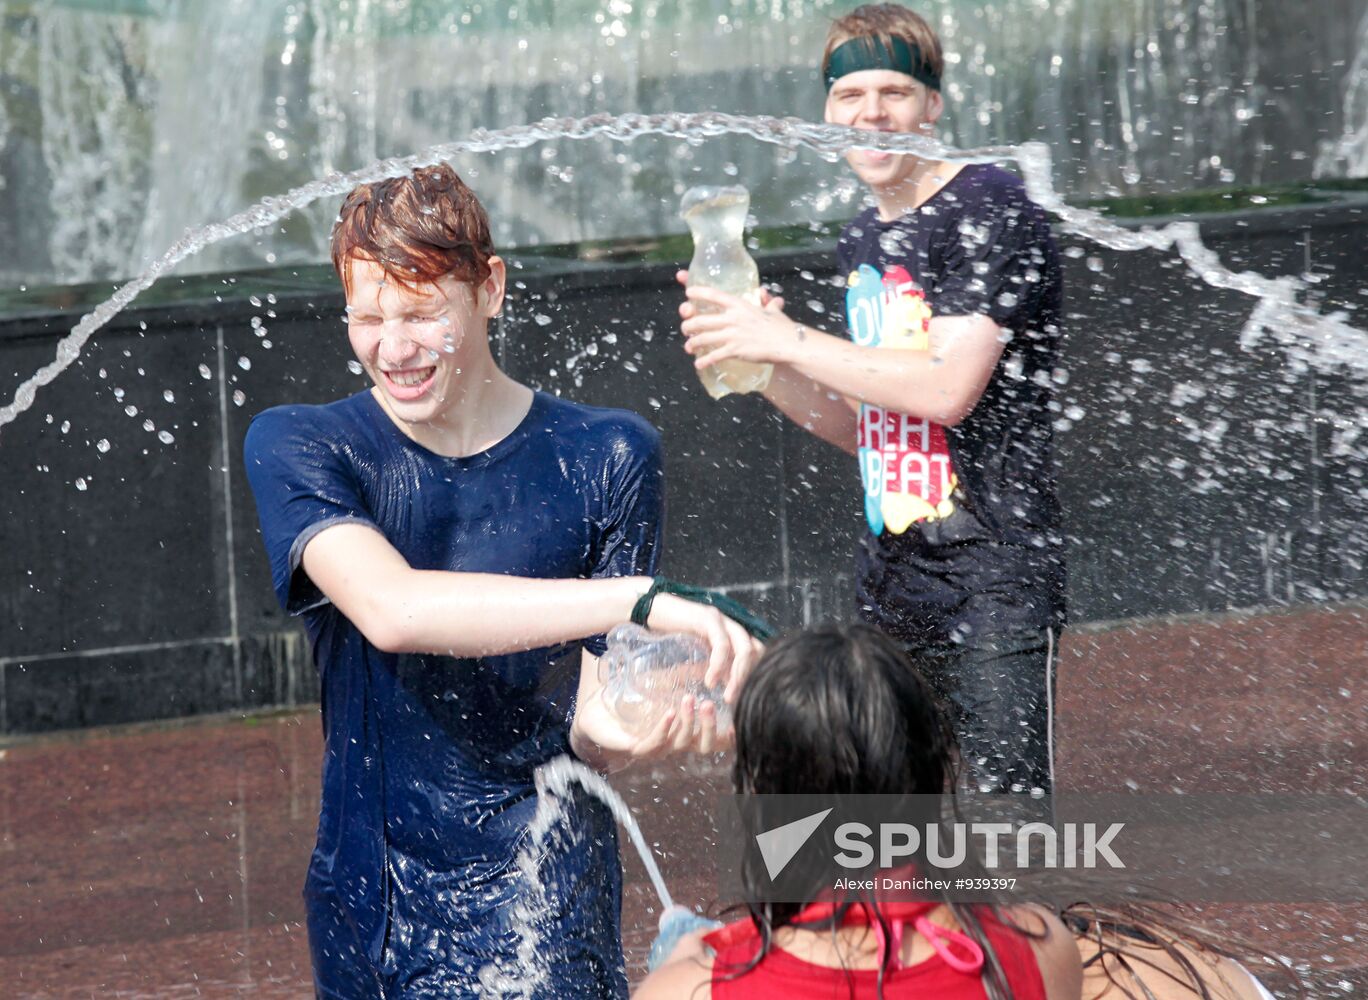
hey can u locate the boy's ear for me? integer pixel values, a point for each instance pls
(490, 294)
(935, 107)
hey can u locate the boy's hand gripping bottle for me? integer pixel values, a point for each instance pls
(717, 219)
(645, 674)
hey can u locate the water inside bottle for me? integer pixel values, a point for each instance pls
(716, 217)
(645, 674)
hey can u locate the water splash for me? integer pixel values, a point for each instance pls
(1316, 338)
(1348, 155)
(555, 780)
(198, 106)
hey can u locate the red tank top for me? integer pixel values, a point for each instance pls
(952, 973)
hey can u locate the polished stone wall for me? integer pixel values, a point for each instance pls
(1198, 476)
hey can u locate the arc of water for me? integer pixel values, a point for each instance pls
(1295, 324)
(553, 781)
(555, 777)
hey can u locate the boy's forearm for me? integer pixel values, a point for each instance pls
(918, 383)
(812, 407)
(600, 758)
(480, 614)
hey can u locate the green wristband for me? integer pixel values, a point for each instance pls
(733, 609)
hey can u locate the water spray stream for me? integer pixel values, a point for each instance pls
(1315, 338)
(556, 776)
(554, 781)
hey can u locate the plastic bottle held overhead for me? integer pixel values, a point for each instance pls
(717, 220)
(645, 674)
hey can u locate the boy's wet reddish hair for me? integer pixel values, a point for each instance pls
(419, 228)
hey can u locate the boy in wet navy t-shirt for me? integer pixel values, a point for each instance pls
(943, 391)
(457, 544)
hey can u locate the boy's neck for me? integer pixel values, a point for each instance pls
(920, 186)
(489, 408)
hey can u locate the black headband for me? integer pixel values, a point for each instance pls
(867, 52)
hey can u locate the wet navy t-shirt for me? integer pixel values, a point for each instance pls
(963, 521)
(428, 761)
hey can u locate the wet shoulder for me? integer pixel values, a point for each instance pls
(339, 425)
(610, 430)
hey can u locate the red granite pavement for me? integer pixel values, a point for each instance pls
(167, 861)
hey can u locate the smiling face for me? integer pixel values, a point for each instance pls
(883, 100)
(421, 345)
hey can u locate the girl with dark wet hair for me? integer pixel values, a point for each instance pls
(844, 711)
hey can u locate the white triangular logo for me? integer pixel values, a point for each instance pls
(778, 846)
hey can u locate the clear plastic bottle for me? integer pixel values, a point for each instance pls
(645, 674)
(717, 219)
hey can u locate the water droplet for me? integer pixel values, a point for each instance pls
(355, 367)
(102, 445)
(66, 426)
(245, 364)
(239, 397)
(205, 372)
(165, 437)
(169, 396)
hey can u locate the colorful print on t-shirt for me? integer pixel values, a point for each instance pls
(904, 461)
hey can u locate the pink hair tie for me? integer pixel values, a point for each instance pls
(942, 939)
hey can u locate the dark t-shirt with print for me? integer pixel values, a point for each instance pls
(964, 535)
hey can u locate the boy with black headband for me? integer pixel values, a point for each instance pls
(943, 391)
